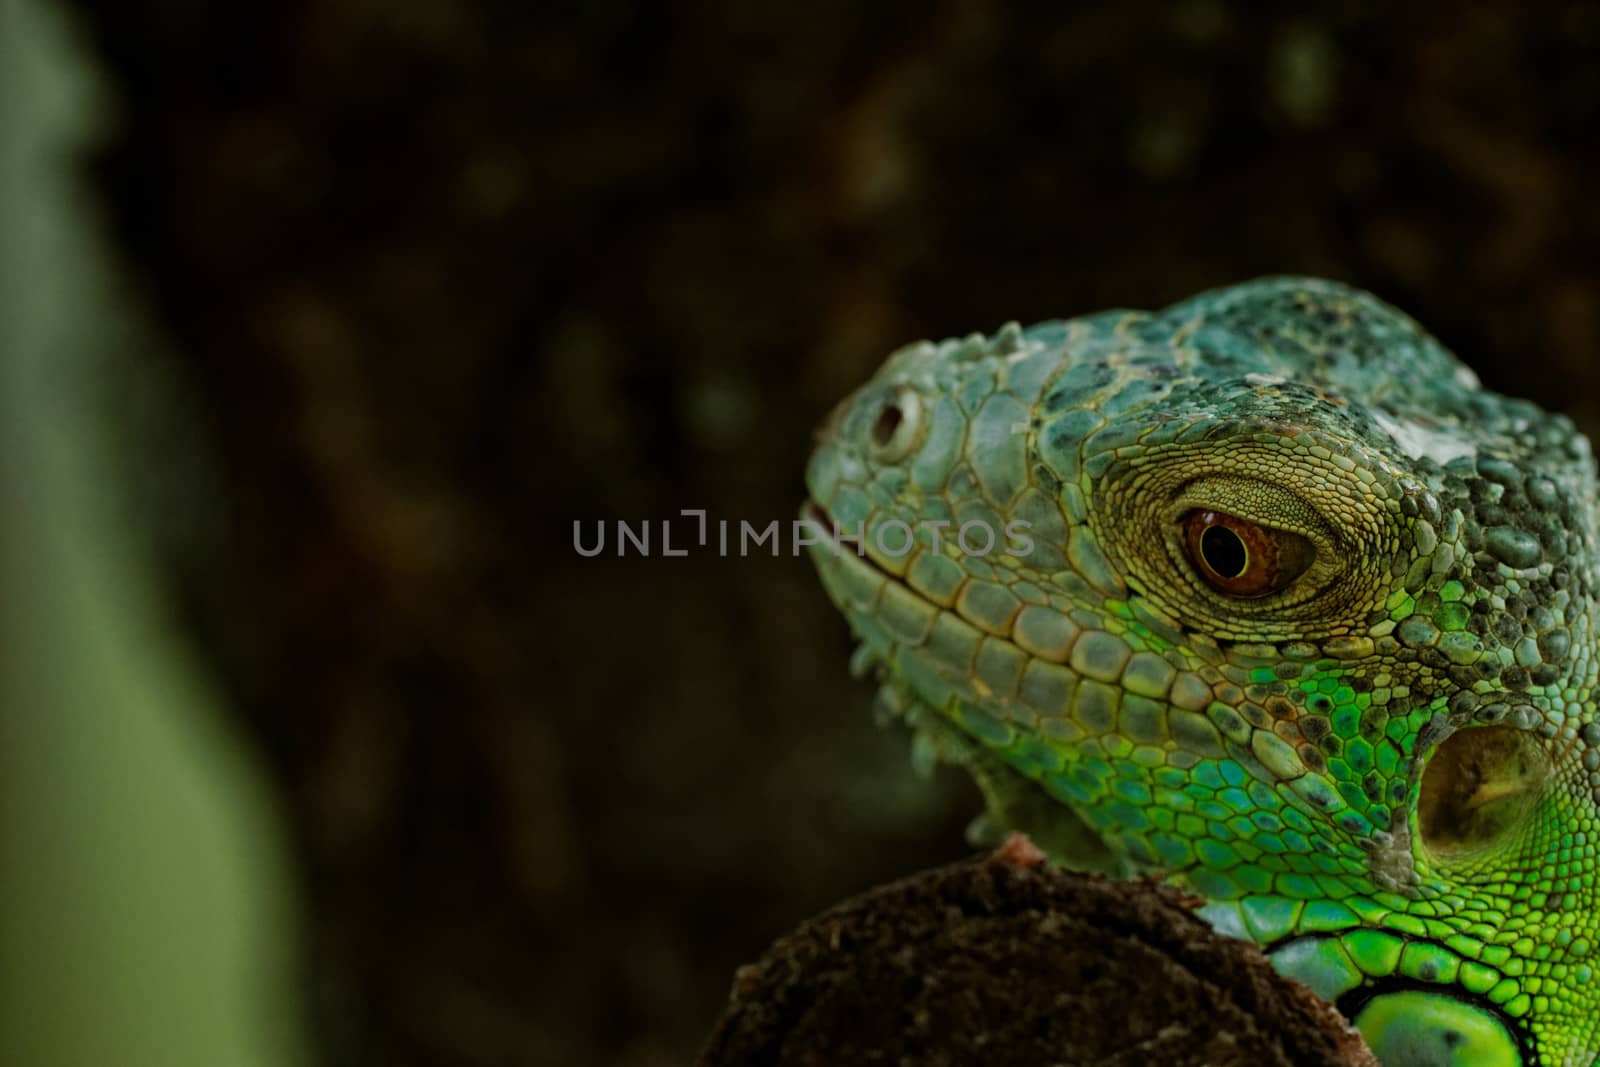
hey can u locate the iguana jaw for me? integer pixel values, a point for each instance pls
(938, 697)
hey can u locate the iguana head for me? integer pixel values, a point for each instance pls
(1263, 592)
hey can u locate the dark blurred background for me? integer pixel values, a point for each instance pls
(440, 278)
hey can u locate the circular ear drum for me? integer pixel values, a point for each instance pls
(1478, 788)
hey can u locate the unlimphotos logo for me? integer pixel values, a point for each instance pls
(893, 538)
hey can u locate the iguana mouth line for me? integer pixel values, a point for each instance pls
(835, 546)
(845, 554)
(859, 577)
(811, 511)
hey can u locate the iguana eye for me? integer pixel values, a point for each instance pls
(1242, 559)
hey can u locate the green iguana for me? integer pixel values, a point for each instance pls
(1262, 593)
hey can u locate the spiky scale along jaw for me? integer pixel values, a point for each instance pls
(1386, 768)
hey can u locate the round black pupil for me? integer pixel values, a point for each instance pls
(887, 423)
(1224, 552)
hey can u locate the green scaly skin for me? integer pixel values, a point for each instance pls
(1387, 772)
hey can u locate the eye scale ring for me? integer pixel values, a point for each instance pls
(1241, 558)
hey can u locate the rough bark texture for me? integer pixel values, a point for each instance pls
(1011, 963)
(444, 277)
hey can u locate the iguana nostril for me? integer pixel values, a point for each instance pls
(888, 421)
(896, 426)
